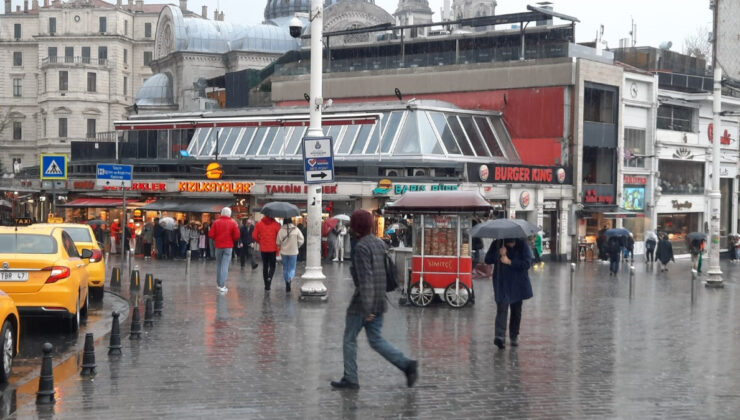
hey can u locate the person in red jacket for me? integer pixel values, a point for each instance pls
(224, 233)
(265, 234)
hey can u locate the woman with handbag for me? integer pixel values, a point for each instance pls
(289, 239)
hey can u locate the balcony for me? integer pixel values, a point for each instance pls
(69, 61)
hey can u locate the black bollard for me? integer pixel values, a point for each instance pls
(148, 312)
(115, 278)
(135, 280)
(88, 356)
(114, 348)
(45, 395)
(135, 325)
(158, 298)
(149, 285)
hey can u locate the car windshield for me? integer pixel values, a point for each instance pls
(19, 243)
(80, 234)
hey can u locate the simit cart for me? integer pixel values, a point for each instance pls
(441, 255)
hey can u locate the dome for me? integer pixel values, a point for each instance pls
(156, 91)
(283, 8)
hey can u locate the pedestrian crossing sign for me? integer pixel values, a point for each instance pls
(53, 166)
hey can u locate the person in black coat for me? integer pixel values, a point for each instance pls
(245, 237)
(664, 253)
(511, 260)
(614, 249)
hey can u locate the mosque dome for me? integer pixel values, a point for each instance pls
(156, 91)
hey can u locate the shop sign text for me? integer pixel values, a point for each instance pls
(680, 206)
(528, 174)
(593, 197)
(215, 187)
(635, 180)
(297, 189)
(142, 186)
(403, 188)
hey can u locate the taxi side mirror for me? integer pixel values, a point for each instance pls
(86, 254)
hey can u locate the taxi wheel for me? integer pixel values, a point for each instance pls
(7, 346)
(84, 309)
(73, 322)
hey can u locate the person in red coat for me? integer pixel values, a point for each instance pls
(265, 234)
(224, 233)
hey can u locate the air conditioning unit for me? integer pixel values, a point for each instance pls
(423, 172)
(393, 172)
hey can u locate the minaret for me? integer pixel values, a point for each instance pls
(413, 12)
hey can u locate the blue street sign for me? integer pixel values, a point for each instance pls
(53, 166)
(114, 175)
(318, 160)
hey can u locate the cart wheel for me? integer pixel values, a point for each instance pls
(421, 297)
(459, 299)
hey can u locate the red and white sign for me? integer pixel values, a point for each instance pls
(296, 189)
(635, 180)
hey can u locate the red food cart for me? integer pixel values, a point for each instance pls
(441, 261)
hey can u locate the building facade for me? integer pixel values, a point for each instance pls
(73, 69)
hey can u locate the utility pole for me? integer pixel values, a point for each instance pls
(714, 274)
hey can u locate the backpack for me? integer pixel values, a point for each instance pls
(391, 275)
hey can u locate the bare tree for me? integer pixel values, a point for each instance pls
(697, 44)
(5, 122)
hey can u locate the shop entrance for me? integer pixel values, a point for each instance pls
(550, 239)
(677, 226)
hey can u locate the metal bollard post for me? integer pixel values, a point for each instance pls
(632, 277)
(572, 274)
(107, 258)
(187, 262)
(128, 261)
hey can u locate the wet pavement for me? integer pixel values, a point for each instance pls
(669, 349)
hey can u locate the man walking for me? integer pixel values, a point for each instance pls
(245, 233)
(265, 233)
(224, 233)
(368, 305)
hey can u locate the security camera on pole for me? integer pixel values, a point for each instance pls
(313, 285)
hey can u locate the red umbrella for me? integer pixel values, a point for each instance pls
(328, 225)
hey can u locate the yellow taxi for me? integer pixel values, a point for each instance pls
(9, 335)
(41, 269)
(84, 238)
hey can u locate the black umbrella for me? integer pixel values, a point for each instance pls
(280, 209)
(617, 232)
(697, 236)
(504, 229)
(96, 222)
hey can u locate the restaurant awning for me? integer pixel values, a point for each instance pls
(190, 205)
(94, 202)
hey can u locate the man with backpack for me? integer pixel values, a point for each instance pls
(368, 304)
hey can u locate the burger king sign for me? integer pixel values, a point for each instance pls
(524, 199)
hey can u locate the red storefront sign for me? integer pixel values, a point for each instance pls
(297, 189)
(592, 197)
(635, 180)
(528, 174)
(142, 186)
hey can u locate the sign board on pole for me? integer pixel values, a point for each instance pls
(318, 160)
(53, 166)
(728, 37)
(112, 175)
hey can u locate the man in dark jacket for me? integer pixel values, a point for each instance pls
(368, 305)
(245, 236)
(614, 250)
(511, 261)
(159, 238)
(664, 253)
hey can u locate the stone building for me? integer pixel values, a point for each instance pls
(72, 70)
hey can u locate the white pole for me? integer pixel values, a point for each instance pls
(313, 285)
(714, 274)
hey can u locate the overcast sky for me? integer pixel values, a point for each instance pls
(657, 20)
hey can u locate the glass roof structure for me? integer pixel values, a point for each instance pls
(429, 130)
(156, 91)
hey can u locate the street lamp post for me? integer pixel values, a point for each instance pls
(714, 274)
(313, 279)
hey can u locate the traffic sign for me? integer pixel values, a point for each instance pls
(112, 175)
(318, 160)
(53, 166)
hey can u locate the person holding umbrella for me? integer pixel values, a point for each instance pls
(664, 253)
(651, 241)
(223, 232)
(265, 234)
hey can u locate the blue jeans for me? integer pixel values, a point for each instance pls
(352, 327)
(183, 249)
(614, 266)
(289, 262)
(223, 259)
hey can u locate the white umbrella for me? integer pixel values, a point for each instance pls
(167, 223)
(341, 217)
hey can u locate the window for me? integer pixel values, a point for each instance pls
(102, 55)
(103, 25)
(52, 25)
(17, 130)
(17, 31)
(598, 165)
(125, 56)
(62, 127)
(599, 105)
(92, 82)
(125, 85)
(17, 58)
(17, 88)
(69, 246)
(69, 54)
(63, 80)
(24, 243)
(52, 53)
(91, 128)
(675, 118)
(679, 177)
(125, 27)
(86, 55)
(148, 30)
(634, 147)
(147, 57)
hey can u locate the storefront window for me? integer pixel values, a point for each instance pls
(636, 225)
(677, 226)
(678, 177)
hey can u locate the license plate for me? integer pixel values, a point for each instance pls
(13, 275)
